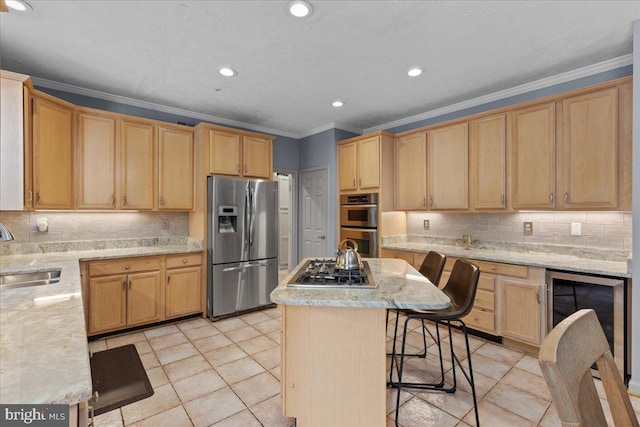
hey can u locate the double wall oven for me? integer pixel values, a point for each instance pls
(359, 222)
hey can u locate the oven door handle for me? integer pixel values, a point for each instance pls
(362, 230)
(359, 206)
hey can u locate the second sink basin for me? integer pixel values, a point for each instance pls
(21, 280)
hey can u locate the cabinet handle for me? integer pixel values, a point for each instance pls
(126, 267)
(538, 295)
(124, 200)
(184, 261)
(245, 168)
(551, 199)
(37, 198)
(238, 168)
(168, 279)
(431, 201)
(360, 182)
(124, 284)
(502, 200)
(493, 268)
(30, 196)
(354, 182)
(113, 200)
(424, 202)
(128, 283)
(161, 201)
(566, 197)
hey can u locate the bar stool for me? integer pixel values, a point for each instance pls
(431, 268)
(461, 289)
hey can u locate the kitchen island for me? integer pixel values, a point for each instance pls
(333, 344)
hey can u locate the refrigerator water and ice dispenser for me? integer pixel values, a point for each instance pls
(227, 219)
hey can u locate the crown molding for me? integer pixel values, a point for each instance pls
(157, 107)
(587, 71)
(328, 126)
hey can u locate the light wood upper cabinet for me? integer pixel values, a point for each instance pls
(175, 169)
(533, 149)
(448, 167)
(368, 168)
(488, 162)
(137, 165)
(256, 155)
(52, 153)
(590, 151)
(239, 153)
(224, 153)
(96, 161)
(411, 171)
(347, 174)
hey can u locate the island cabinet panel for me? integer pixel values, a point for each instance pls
(175, 169)
(411, 171)
(52, 153)
(347, 175)
(137, 165)
(311, 335)
(590, 150)
(448, 167)
(392, 253)
(534, 149)
(96, 161)
(488, 162)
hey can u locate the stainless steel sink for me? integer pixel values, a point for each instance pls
(21, 280)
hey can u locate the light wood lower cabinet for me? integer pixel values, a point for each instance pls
(522, 314)
(128, 292)
(184, 283)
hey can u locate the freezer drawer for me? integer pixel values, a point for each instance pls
(241, 286)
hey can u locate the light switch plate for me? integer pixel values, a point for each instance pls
(576, 229)
(425, 224)
(528, 228)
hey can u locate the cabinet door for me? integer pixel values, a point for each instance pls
(52, 154)
(107, 304)
(144, 304)
(534, 149)
(590, 150)
(521, 311)
(224, 153)
(448, 167)
(175, 169)
(183, 292)
(488, 154)
(256, 156)
(137, 154)
(96, 169)
(369, 163)
(347, 166)
(411, 171)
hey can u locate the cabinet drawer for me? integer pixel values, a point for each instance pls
(487, 282)
(123, 266)
(186, 260)
(484, 299)
(503, 269)
(480, 319)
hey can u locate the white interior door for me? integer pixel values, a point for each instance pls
(284, 220)
(313, 213)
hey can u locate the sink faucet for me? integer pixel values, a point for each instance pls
(5, 233)
(466, 240)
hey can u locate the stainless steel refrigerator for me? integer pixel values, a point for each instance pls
(242, 244)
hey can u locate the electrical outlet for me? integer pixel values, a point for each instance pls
(425, 224)
(165, 224)
(576, 229)
(528, 228)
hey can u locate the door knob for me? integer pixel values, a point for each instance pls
(321, 237)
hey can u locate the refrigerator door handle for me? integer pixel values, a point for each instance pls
(246, 222)
(252, 217)
(244, 267)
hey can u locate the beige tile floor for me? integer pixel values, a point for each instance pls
(227, 373)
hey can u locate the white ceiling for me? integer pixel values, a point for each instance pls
(290, 70)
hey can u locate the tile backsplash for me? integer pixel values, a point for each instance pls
(71, 226)
(608, 230)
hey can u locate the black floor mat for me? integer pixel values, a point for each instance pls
(119, 378)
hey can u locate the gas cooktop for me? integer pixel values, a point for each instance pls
(322, 273)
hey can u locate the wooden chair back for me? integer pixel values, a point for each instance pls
(565, 358)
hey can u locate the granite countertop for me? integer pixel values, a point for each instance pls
(556, 261)
(44, 355)
(399, 286)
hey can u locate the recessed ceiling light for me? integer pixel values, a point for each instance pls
(228, 72)
(414, 72)
(300, 8)
(19, 5)
(337, 103)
